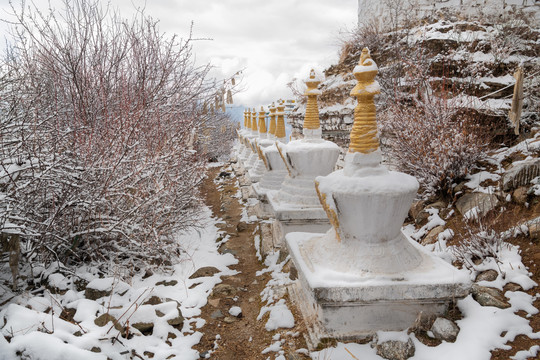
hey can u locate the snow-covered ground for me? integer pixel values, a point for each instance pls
(33, 324)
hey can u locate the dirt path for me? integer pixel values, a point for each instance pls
(244, 337)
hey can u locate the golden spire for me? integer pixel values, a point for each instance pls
(364, 131)
(280, 122)
(311, 119)
(262, 124)
(254, 120)
(245, 119)
(272, 126)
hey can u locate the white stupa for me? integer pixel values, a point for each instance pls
(364, 274)
(296, 206)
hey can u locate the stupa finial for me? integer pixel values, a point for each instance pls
(311, 119)
(364, 137)
(262, 124)
(280, 121)
(254, 120)
(272, 126)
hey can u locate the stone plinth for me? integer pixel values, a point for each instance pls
(352, 306)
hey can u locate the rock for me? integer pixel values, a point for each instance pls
(216, 314)
(460, 187)
(144, 327)
(98, 288)
(444, 329)
(104, 319)
(437, 205)
(148, 273)
(224, 174)
(433, 235)
(521, 174)
(512, 287)
(203, 355)
(416, 207)
(484, 202)
(487, 296)
(242, 226)
(488, 275)
(534, 231)
(520, 195)
(229, 319)
(167, 283)
(154, 300)
(395, 350)
(422, 218)
(95, 349)
(423, 321)
(205, 271)
(213, 302)
(223, 289)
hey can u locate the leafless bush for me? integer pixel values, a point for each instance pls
(432, 139)
(479, 241)
(98, 159)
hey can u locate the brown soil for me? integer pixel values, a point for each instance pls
(245, 337)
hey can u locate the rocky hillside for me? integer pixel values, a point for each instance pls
(469, 60)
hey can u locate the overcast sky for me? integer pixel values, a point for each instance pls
(272, 40)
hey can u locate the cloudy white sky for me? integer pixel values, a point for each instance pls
(273, 41)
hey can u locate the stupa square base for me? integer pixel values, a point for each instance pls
(347, 306)
(264, 210)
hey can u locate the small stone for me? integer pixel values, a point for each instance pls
(444, 329)
(423, 321)
(144, 327)
(147, 273)
(167, 283)
(228, 320)
(148, 354)
(177, 321)
(422, 218)
(104, 319)
(520, 195)
(205, 271)
(437, 205)
(488, 275)
(251, 299)
(534, 231)
(483, 202)
(416, 207)
(242, 226)
(487, 296)
(433, 235)
(154, 300)
(203, 355)
(459, 187)
(396, 350)
(95, 349)
(94, 294)
(512, 287)
(216, 314)
(223, 289)
(214, 302)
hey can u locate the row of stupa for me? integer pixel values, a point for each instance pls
(357, 272)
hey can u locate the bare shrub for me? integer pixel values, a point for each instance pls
(98, 160)
(432, 139)
(480, 240)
